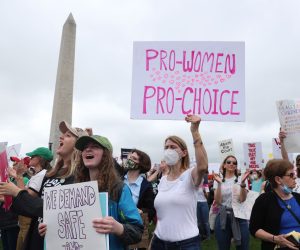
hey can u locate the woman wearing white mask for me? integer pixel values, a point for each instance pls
(176, 201)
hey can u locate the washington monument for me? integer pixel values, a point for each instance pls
(63, 96)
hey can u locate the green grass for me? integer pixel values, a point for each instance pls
(212, 244)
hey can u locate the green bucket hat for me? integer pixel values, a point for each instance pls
(101, 140)
(42, 152)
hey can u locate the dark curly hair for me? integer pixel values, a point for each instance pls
(144, 160)
(107, 179)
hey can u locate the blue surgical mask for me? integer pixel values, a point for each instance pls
(286, 189)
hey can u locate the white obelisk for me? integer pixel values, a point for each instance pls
(63, 96)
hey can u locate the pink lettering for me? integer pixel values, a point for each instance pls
(163, 55)
(233, 103)
(218, 63)
(170, 92)
(147, 97)
(161, 93)
(183, 99)
(207, 91)
(221, 99)
(150, 55)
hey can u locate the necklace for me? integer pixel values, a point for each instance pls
(287, 204)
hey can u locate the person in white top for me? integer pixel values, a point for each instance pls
(227, 226)
(176, 200)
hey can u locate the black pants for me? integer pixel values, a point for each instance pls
(188, 244)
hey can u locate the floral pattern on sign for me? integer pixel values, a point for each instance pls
(182, 81)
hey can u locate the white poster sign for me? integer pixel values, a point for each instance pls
(225, 148)
(242, 210)
(276, 146)
(289, 118)
(68, 213)
(253, 156)
(13, 150)
(173, 79)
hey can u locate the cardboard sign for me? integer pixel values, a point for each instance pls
(289, 118)
(173, 79)
(243, 210)
(253, 156)
(276, 146)
(68, 213)
(225, 148)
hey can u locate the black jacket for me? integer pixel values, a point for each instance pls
(146, 199)
(266, 214)
(8, 219)
(29, 206)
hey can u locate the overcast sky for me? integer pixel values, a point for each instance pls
(29, 49)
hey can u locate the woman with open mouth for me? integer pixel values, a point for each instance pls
(61, 174)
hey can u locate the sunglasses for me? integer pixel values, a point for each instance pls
(231, 162)
(291, 175)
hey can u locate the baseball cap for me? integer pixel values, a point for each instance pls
(78, 132)
(101, 140)
(42, 152)
(26, 159)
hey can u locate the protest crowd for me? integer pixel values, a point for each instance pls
(176, 204)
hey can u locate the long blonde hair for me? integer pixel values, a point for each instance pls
(185, 161)
(69, 170)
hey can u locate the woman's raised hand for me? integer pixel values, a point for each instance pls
(217, 178)
(194, 120)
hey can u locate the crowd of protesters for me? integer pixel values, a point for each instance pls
(183, 202)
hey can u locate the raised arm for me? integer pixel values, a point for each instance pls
(243, 191)
(200, 152)
(282, 136)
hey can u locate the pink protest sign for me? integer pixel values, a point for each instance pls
(173, 79)
(4, 177)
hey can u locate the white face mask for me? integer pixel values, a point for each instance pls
(171, 157)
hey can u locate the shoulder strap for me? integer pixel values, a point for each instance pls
(288, 208)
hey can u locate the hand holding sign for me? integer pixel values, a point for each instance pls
(107, 225)
(217, 178)
(282, 135)
(245, 175)
(42, 229)
(194, 120)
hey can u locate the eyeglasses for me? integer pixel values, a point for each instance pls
(291, 175)
(231, 162)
